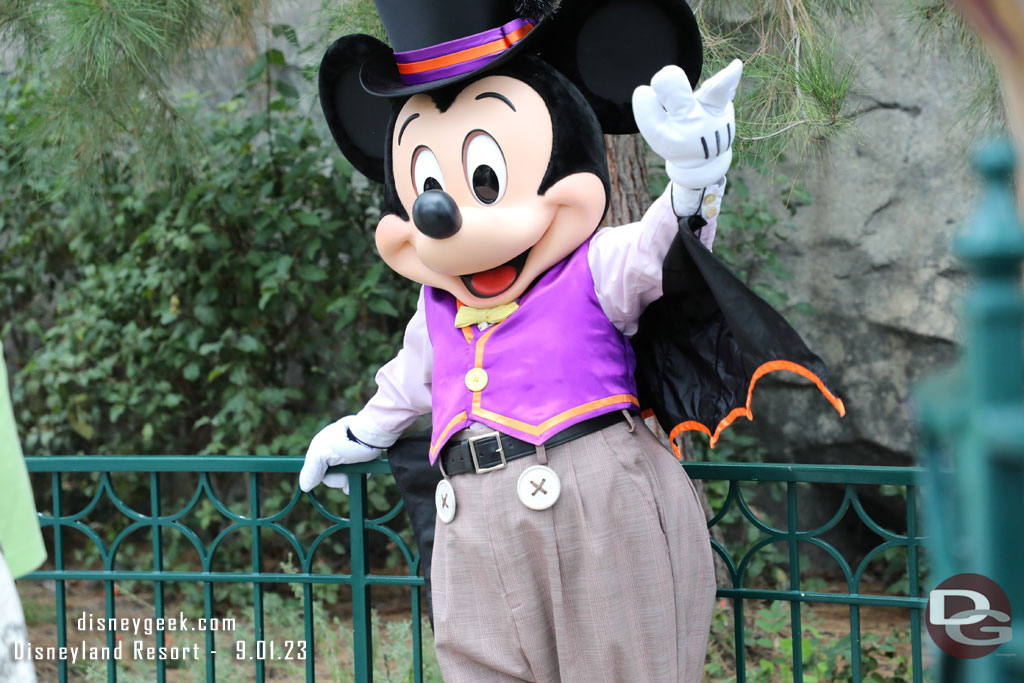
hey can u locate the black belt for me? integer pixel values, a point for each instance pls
(491, 451)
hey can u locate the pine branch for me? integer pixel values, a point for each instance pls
(107, 66)
(939, 28)
(776, 133)
(796, 56)
(795, 79)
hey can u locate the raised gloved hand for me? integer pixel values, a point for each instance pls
(692, 131)
(334, 445)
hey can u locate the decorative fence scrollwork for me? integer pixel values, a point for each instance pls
(359, 524)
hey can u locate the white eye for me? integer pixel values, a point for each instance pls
(426, 172)
(485, 168)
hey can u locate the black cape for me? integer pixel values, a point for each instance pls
(703, 345)
(700, 350)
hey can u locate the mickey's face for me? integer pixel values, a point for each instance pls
(470, 180)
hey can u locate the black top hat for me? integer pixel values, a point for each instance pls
(605, 47)
(440, 42)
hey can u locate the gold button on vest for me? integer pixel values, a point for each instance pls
(476, 379)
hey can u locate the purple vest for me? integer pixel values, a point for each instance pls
(554, 362)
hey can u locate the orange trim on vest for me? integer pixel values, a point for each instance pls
(444, 435)
(467, 332)
(478, 364)
(479, 361)
(537, 430)
(463, 56)
(764, 369)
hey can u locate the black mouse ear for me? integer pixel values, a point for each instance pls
(610, 47)
(358, 120)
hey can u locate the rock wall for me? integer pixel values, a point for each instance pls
(873, 253)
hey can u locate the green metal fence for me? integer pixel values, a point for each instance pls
(255, 521)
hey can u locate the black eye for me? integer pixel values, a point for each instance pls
(485, 184)
(426, 171)
(485, 168)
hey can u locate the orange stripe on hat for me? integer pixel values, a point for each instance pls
(493, 47)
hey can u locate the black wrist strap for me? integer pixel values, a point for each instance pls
(700, 203)
(353, 437)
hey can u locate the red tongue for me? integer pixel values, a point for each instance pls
(494, 281)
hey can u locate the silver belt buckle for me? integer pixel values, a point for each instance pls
(472, 452)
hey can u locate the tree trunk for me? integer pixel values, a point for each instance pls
(627, 164)
(630, 197)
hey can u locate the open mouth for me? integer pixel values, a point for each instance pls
(491, 283)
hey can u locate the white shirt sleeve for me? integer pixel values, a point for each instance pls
(626, 261)
(403, 387)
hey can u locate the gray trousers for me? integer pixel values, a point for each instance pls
(613, 583)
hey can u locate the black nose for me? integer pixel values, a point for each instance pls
(436, 214)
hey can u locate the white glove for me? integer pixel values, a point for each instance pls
(333, 446)
(693, 132)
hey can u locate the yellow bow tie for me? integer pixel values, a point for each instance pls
(468, 315)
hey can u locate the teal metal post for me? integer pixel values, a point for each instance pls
(158, 566)
(362, 635)
(257, 587)
(973, 422)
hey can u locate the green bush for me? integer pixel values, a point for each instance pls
(236, 309)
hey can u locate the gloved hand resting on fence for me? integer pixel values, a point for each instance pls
(335, 444)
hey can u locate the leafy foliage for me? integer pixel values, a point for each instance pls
(232, 312)
(825, 655)
(751, 229)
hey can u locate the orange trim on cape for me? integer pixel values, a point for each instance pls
(744, 411)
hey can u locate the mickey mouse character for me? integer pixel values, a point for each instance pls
(569, 545)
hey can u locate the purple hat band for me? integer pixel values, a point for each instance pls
(460, 56)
